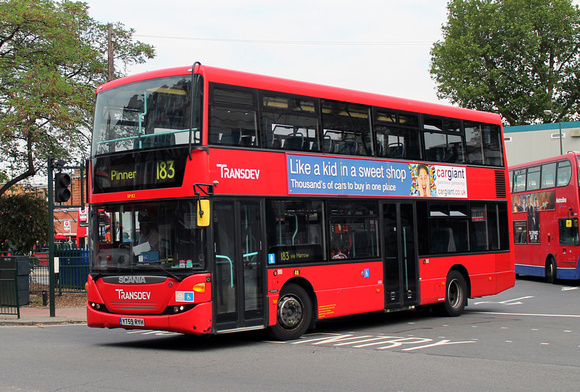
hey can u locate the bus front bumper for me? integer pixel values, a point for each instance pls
(196, 321)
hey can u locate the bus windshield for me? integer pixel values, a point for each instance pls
(147, 114)
(148, 236)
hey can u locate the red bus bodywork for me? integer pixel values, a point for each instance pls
(337, 289)
(541, 250)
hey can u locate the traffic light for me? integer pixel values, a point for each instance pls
(61, 184)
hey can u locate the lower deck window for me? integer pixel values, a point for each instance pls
(353, 230)
(462, 227)
(520, 232)
(294, 230)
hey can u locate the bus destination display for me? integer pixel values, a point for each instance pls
(159, 169)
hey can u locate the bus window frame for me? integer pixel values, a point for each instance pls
(533, 173)
(520, 236)
(300, 137)
(231, 135)
(563, 173)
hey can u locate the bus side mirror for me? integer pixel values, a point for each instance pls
(203, 213)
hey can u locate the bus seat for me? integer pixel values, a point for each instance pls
(268, 140)
(327, 145)
(233, 137)
(396, 151)
(294, 142)
(348, 147)
(247, 140)
(380, 150)
(315, 145)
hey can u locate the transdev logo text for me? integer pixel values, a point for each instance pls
(133, 295)
(239, 173)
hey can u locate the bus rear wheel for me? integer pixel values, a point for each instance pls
(294, 313)
(455, 294)
(551, 271)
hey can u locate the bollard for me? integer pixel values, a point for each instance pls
(44, 298)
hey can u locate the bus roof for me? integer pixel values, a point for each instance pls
(251, 80)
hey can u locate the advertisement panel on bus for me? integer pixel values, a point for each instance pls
(265, 173)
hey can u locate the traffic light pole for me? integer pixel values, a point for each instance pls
(51, 274)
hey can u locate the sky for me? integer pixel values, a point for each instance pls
(379, 46)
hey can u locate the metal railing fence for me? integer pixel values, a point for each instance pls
(9, 301)
(72, 271)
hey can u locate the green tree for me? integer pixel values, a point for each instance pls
(519, 58)
(52, 58)
(23, 221)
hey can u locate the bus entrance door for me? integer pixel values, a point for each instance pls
(400, 255)
(238, 280)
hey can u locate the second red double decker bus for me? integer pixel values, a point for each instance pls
(546, 203)
(225, 201)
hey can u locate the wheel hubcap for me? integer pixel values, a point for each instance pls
(290, 312)
(454, 294)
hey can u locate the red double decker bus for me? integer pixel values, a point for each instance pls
(545, 205)
(225, 201)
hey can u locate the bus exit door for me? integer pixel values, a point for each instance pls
(238, 281)
(400, 254)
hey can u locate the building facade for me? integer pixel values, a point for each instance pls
(527, 143)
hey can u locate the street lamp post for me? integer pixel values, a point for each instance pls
(560, 130)
(548, 112)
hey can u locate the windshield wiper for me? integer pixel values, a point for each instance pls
(171, 274)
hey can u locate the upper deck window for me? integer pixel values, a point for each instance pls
(289, 122)
(397, 135)
(533, 179)
(232, 116)
(519, 180)
(483, 144)
(564, 173)
(346, 128)
(147, 114)
(443, 140)
(492, 145)
(548, 175)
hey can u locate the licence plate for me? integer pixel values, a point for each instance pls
(137, 322)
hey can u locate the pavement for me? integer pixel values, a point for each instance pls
(41, 316)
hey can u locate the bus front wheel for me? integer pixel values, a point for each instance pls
(455, 294)
(294, 313)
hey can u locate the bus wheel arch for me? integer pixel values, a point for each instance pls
(295, 310)
(551, 269)
(457, 290)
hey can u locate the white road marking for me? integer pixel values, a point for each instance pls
(507, 302)
(532, 315)
(381, 342)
